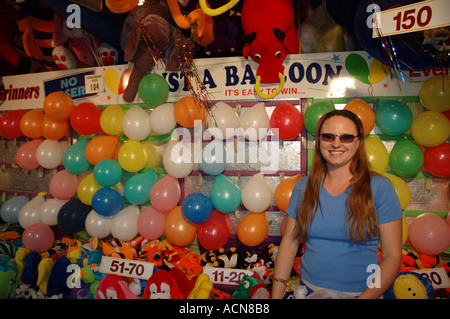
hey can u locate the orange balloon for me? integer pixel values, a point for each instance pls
(121, 6)
(31, 123)
(252, 229)
(54, 130)
(186, 111)
(364, 112)
(100, 148)
(178, 230)
(58, 106)
(282, 194)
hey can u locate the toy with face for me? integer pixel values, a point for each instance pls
(162, 285)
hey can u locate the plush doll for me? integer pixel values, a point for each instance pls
(202, 288)
(8, 276)
(114, 287)
(162, 285)
(57, 286)
(251, 288)
(119, 249)
(410, 285)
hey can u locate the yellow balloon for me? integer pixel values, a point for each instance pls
(152, 154)
(430, 128)
(405, 231)
(377, 154)
(401, 189)
(112, 81)
(378, 71)
(132, 157)
(111, 119)
(435, 93)
(87, 188)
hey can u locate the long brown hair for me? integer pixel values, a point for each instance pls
(361, 220)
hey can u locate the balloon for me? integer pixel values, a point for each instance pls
(101, 147)
(188, 112)
(121, 6)
(214, 158)
(137, 188)
(178, 230)
(97, 225)
(377, 154)
(10, 124)
(256, 194)
(85, 118)
(401, 189)
(87, 188)
(437, 160)
(153, 89)
(197, 208)
(177, 159)
(151, 223)
(136, 124)
(214, 233)
(252, 229)
(314, 112)
(162, 119)
(406, 158)
(74, 158)
(364, 112)
(72, 216)
(226, 119)
(152, 154)
(111, 119)
(54, 129)
(49, 154)
(286, 121)
(107, 201)
(165, 194)
(377, 71)
(29, 214)
(38, 237)
(255, 122)
(435, 93)
(132, 156)
(358, 68)
(50, 210)
(392, 117)
(430, 128)
(63, 185)
(58, 106)
(124, 223)
(26, 154)
(11, 208)
(107, 172)
(283, 192)
(429, 234)
(112, 80)
(225, 195)
(31, 123)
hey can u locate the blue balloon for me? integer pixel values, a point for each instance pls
(137, 188)
(72, 216)
(107, 172)
(225, 195)
(11, 208)
(392, 117)
(214, 158)
(74, 159)
(107, 201)
(197, 208)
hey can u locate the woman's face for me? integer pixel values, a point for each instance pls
(336, 153)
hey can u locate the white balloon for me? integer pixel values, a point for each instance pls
(49, 154)
(255, 122)
(226, 119)
(124, 223)
(29, 214)
(162, 119)
(178, 159)
(136, 124)
(256, 194)
(98, 225)
(50, 209)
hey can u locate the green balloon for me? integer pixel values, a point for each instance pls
(153, 90)
(357, 67)
(225, 195)
(314, 112)
(406, 158)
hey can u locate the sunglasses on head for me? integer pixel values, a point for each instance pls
(344, 138)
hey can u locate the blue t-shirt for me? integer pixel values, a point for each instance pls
(330, 260)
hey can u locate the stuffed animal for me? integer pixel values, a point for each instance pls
(114, 287)
(410, 285)
(8, 276)
(162, 285)
(251, 287)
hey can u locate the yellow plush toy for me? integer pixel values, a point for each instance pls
(202, 288)
(410, 285)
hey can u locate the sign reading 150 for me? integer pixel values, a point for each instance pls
(409, 18)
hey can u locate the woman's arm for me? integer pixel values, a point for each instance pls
(285, 258)
(391, 255)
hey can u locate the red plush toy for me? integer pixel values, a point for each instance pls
(162, 285)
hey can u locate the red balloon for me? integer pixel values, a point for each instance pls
(437, 160)
(38, 237)
(286, 121)
(10, 124)
(214, 233)
(85, 118)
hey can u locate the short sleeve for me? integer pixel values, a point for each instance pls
(296, 197)
(387, 204)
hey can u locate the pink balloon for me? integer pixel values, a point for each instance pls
(151, 223)
(63, 185)
(429, 234)
(38, 237)
(165, 194)
(26, 154)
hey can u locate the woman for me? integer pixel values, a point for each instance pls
(341, 211)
